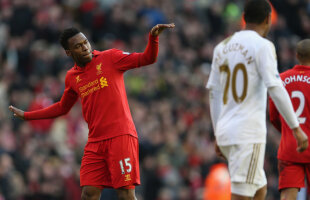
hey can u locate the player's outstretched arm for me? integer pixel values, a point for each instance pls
(301, 138)
(57, 109)
(17, 112)
(125, 61)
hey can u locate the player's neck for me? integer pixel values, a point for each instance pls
(82, 65)
(305, 63)
(256, 27)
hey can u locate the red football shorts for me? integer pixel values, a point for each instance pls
(111, 163)
(292, 175)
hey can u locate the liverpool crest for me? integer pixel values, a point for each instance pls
(98, 67)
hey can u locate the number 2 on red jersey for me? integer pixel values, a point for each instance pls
(300, 109)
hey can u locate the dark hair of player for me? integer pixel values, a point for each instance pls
(67, 34)
(256, 11)
(303, 50)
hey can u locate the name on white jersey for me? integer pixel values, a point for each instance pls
(296, 78)
(236, 47)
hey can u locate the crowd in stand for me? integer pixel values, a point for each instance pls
(168, 100)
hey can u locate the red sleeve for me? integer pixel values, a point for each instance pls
(274, 115)
(62, 107)
(125, 61)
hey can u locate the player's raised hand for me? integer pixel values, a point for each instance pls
(301, 138)
(156, 30)
(17, 112)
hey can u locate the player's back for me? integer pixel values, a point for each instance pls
(242, 64)
(297, 84)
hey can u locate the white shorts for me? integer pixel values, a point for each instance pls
(246, 167)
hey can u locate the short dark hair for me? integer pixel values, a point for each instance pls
(303, 50)
(67, 34)
(256, 11)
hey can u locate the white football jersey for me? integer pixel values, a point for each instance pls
(243, 67)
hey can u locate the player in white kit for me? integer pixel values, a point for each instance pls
(244, 68)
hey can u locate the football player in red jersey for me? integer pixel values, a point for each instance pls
(110, 157)
(294, 167)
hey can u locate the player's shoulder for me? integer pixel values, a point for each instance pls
(102, 53)
(247, 38)
(298, 70)
(222, 43)
(118, 51)
(287, 72)
(267, 43)
(252, 38)
(263, 43)
(71, 71)
(110, 52)
(225, 41)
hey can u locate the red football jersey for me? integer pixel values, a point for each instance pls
(100, 86)
(297, 84)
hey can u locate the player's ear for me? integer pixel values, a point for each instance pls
(268, 19)
(298, 57)
(68, 52)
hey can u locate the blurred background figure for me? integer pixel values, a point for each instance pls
(217, 183)
(168, 101)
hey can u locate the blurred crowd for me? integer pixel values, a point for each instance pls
(168, 100)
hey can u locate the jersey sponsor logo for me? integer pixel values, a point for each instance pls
(93, 86)
(98, 67)
(88, 85)
(78, 79)
(127, 177)
(296, 78)
(103, 82)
